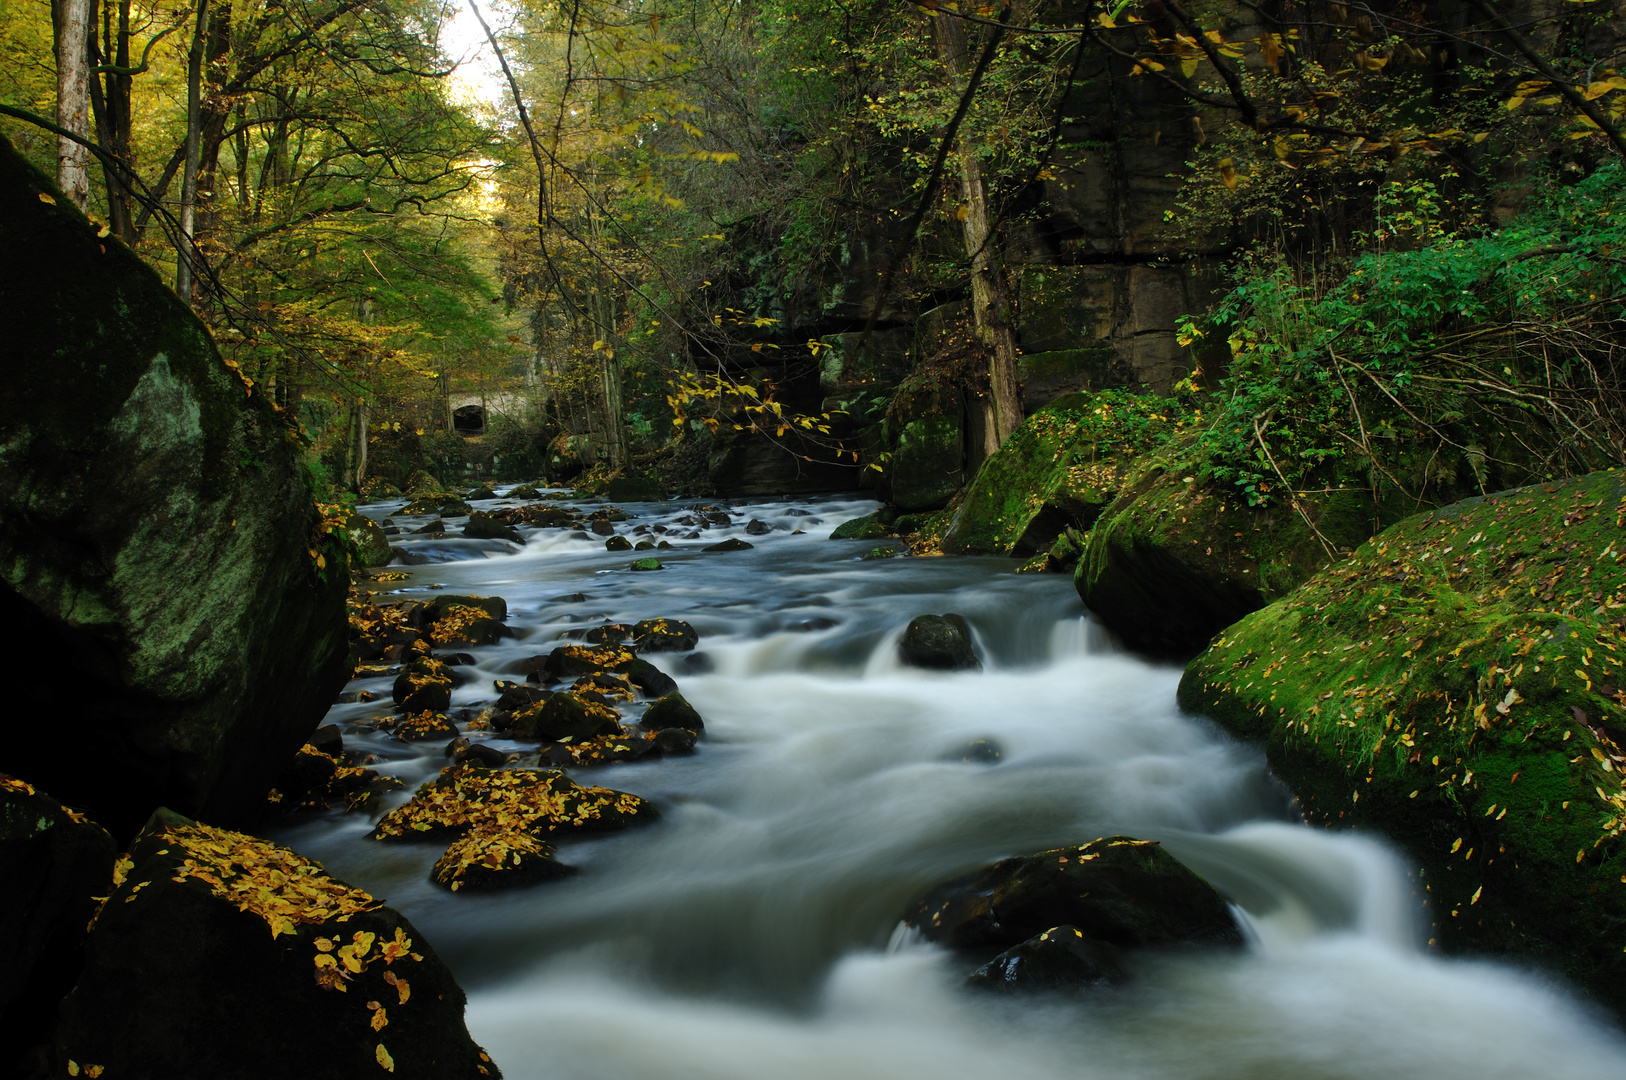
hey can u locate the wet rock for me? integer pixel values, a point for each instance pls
(456, 659)
(494, 606)
(436, 527)
(463, 749)
(569, 661)
(672, 711)
(327, 739)
(618, 543)
(486, 527)
(570, 598)
(602, 527)
(941, 642)
(758, 528)
(649, 679)
(460, 626)
(645, 545)
(157, 540)
(369, 539)
(516, 696)
(490, 858)
(523, 491)
(538, 802)
(733, 543)
(545, 517)
(675, 740)
(881, 553)
(423, 684)
(219, 954)
(647, 564)
(564, 715)
(605, 687)
(868, 527)
(455, 508)
(609, 634)
(698, 663)
(482, 492)
(424, 726)
(408, 558)
(664, 635)
(53, 864)
(1125, 892)
(977, 752)
(1061, 958)
(663, 545)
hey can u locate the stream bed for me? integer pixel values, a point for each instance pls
(753, 932)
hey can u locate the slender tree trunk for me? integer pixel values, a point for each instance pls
(111, 104)
(71, 20)
(189, 177)
(361, 443)
(990, 295)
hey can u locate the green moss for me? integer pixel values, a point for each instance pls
(868, 527)
(1455, 685)
(1060, 468)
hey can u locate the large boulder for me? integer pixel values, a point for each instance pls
(1123, 892)
(367, 537)
(54, 863)
(160, 551)
(219, 954)
(1059, 469)
(1173, 559)
(1457, 686)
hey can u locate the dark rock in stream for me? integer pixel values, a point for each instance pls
(1061, 958)
(563, 715)
(252, 962)
(603, 528)
(327, 739)
(53, 865)
(664, 635)
(733, 543)
(942, 642)
(758, 528)
(618, 543)
(570, 598)
(494, 606)
(698, 663)
(977, 752)
(486, 527)
(156, 529)
(672, 711)
(409, 558)
(423, 684)
(650, 680)
(1125, 892)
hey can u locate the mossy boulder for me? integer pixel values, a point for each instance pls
(367, 537)
(1123, 892)
(1059, 469)
(633, 489)
(1456, 686)
(54, 863)
(928, 460)
(672, 711)
(664, 635)
(157, 532)
(541, 803)
(565, 715)
(1173, 560)
(494, 606)
(869, 527)
(219, 954)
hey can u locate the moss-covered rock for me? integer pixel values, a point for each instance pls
(219, 954)
(928, 460)
(672, 711)
(1456, 685)
(160, 550)
(939, 642)
(664, 635)
(1173, 560)
(54, 863)
(372, 547)
(868, 527)
(539, 802)
(1059, 469)
(485, 527)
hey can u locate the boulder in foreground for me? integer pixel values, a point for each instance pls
(162, 552)
(942, 642)
(219, 954)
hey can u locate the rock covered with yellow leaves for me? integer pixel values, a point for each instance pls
(219, 954)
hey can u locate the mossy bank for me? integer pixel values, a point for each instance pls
(1455, 686)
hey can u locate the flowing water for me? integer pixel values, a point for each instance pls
(753, 933)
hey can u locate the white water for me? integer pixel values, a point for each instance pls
(751, 933)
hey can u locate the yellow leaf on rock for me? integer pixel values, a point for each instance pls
(48, 201)
(380, 1020)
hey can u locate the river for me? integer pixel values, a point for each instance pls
(753, 933)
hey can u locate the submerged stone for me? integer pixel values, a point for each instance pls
(1061, 958)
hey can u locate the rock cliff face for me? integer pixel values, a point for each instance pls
(161, 560)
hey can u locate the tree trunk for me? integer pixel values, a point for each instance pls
(111, 104)
(361, 443)
(71, 23)
(990, 295)
(189, 178)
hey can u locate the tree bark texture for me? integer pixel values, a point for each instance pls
(71, 22)
(990, 294)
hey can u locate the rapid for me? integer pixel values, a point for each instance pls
(754, 931)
